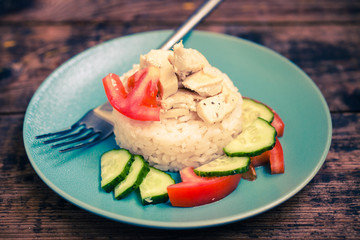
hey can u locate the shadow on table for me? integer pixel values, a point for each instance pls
(9, 6)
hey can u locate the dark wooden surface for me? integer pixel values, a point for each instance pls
(321, 36)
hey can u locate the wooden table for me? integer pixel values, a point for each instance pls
(321, 36)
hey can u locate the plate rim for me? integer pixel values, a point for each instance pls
(173, 224)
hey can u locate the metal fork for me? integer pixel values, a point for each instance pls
(93, 127)
(96, 124)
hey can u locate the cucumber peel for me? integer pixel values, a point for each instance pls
(252, 109)
(115, 165)
(138, 170)
(224, 166)
(153, 188)
(257, 138)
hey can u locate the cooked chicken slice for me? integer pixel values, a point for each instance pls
(204, 84)
(187, 61)
(214, 109)
(213, 71)
(231, 99)
(156, 58)
(168, 78)
(181, 99)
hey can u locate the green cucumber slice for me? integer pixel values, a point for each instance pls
(224, 166)
(115, 165)
(137, 173)
(153, 188)
(252, 109)
(257, 138)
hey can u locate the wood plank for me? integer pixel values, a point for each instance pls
(173, 12)
(320, 36)
(328, 207)
(26, 64)
(328, 54)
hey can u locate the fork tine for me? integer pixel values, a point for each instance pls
(56, 139)
(93, 141)
(90, 129)
(66, 131)
(85, 137)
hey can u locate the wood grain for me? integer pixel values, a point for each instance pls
(28, 63)
(321, 37)
(173, 12)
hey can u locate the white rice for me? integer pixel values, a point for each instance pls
(172, 144)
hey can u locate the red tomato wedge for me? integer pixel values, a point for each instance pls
(196, 191)
(274, 156)
(188, 175)
(140, 102)
(277, 159)
(261, 160)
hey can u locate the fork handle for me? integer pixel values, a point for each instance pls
(190, 23)
(104, 111)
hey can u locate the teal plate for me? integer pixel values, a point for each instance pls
(260, 73)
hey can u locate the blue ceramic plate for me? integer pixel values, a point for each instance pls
(75, 87)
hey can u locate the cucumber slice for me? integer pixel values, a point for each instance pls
(251, 110)
(115, 165)
(224, 166)
(137, 173)
(153, 188)
(259, 137)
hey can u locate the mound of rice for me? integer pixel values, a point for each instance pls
(191, 139)
(173, 144)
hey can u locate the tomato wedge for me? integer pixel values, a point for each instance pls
(277, 158)
(195, 191)
(188, 175)
(274, 156)
(140, 102)
(261, 160)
